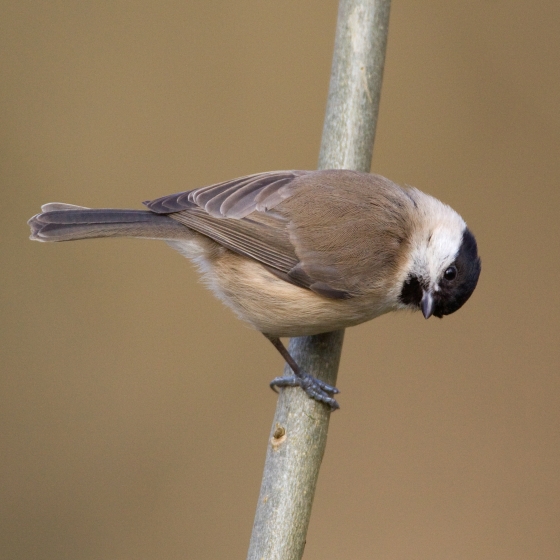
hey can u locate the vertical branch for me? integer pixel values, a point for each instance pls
(299, 430)
(355, 87)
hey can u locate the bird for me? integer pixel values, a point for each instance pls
(297, 253)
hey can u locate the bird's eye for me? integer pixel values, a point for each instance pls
(450, 273)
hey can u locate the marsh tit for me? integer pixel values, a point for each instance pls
(298, 253)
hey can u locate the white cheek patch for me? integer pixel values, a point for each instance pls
(442, 250)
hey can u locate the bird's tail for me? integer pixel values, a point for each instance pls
(66, 222)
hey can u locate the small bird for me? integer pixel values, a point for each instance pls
(297, 253)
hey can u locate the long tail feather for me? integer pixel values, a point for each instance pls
(66, 222)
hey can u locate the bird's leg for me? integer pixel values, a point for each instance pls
(315, 388)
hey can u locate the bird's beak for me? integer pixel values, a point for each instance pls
(427, 304)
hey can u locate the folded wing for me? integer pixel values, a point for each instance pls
(334, 248)
(239, 214)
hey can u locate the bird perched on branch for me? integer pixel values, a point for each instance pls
(298, 253)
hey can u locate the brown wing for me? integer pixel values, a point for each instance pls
(274, 218)
(238, 214)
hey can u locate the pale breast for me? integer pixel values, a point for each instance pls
(279, 308)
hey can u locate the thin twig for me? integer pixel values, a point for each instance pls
(299, 430)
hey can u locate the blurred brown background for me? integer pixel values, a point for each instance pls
(135, 409)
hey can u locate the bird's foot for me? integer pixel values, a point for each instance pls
(315, 388)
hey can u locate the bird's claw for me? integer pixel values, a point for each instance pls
(315, 388)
